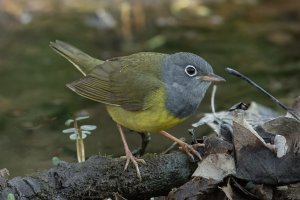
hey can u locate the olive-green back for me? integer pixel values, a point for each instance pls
(123, 81)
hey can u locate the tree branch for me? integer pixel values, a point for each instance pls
(100, 177)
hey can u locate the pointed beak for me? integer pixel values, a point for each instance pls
(212, 78)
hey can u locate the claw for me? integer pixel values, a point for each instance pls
(190, 151)
(129, 157)
(127, 162)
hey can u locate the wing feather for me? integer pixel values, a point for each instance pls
(122, 81)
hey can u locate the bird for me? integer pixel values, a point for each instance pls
(144, 91)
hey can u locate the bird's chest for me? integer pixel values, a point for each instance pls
(154, 119)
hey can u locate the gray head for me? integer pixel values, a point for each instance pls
(187, 77)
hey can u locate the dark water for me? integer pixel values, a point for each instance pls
(259, 38)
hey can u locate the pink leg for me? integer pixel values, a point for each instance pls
(128, 154)
(188, 149)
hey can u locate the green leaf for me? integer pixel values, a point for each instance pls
(75, 136)
(10, 196)
(69, 122)
(82, 117)
(69, 130)
(55, 160)
(84, 135)
(86, 132)
(88, 127)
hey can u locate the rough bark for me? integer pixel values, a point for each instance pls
(100, 177)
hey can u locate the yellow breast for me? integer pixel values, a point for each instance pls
(153, 119)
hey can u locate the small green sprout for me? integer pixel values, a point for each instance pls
(79, 133)
(10, 196)
(55, 160)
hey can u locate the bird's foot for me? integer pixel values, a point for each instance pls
(129, 157)
(190, 150)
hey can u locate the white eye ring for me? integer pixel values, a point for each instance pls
(190, 70)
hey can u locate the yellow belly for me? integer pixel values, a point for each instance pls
(153, 119)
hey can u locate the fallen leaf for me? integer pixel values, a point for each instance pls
(197, 189)
(227, 191)
(216, 167)
(255, 162)
(287, 127)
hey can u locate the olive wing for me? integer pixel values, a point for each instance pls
(118, 83)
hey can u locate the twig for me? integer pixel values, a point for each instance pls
(236, 73)
(212, 100)
(212, 103)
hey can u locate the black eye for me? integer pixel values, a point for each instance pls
(190, 70)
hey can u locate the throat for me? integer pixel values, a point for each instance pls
(183, 103)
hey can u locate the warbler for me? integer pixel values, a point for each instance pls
(144, 92)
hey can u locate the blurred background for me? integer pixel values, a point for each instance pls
(260, 38)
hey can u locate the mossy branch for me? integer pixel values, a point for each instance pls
(101, 177)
